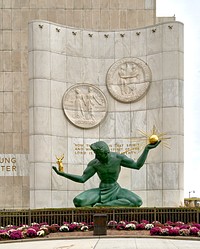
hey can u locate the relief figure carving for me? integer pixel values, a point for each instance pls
(84, 105)
(79, 104)
(91, 101)
(128, 79)
(129, 75)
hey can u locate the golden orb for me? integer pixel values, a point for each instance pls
(153, 139)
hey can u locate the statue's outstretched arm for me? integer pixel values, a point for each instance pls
(130, 163)
(88, 172)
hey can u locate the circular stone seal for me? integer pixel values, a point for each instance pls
(85, 105)
(128, 79)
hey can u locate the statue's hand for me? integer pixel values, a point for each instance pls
(55, 169)
(152, 146)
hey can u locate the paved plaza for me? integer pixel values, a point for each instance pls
(105, 243)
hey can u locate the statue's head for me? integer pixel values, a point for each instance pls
(101, 150)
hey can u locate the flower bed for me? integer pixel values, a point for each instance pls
(176, 229)
(154, 229)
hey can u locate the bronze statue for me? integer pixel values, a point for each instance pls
(107, 165)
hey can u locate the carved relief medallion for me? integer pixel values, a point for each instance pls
(85, 105)
(128, 79)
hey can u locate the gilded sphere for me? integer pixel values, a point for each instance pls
(153, 139)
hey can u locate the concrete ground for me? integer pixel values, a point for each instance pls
(105, 243)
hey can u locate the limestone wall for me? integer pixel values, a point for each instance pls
(63, 57)
(14, 87)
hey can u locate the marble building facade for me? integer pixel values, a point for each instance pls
(81, 46)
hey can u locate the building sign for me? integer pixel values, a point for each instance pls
(7, 164)
(14, 165)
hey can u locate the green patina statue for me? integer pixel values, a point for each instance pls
(107, 165)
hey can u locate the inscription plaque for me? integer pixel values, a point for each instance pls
(128, 79)
(85, 105)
